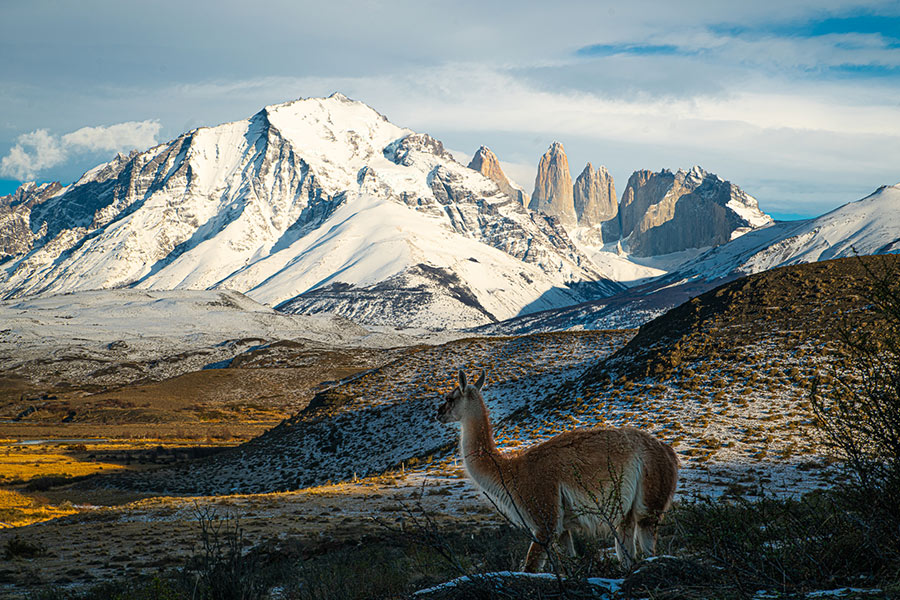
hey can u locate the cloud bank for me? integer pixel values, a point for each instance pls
(795, 101)
(40, 150)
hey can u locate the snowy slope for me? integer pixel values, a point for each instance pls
(867, 226)
(302, 196)
(151, 321)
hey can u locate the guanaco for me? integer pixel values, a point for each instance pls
(594, 481)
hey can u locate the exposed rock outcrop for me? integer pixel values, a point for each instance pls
(595, 196)
(486, 163)
(669, 212)
(553, 186)
(16, 236)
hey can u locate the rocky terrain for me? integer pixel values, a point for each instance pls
(724, 378)
(716, 377)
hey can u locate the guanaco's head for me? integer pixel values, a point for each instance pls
(461, 399)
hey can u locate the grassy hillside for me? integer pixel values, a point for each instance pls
(724, 378)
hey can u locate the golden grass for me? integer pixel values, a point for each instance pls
(17, 509)
(23, 463)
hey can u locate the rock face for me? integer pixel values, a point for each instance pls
(668, 212)
(16, 236)
(486, 163)
(595, 196)
(295, 206)
(553, 186)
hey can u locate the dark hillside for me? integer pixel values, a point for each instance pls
(801, 303)
(375, 421)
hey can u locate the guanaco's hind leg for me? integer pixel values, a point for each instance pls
(536, 557)
(625, 550)
(568, 544)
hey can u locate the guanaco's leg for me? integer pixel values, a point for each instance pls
(625, 550)
(646, 534)
(536, 557)
(544, 510)
(566, 541)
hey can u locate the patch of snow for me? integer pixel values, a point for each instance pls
(609, 586)
(841, 592)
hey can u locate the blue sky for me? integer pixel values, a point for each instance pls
(797, 102)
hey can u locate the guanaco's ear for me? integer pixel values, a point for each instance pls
(480, 383)
(462, 380)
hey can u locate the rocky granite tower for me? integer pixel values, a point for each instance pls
(668, 212)
(595, 196)
(486, 163)
(553, 186)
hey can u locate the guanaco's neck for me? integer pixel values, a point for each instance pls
(477, 440)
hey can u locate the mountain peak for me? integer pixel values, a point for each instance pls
(595, 196)
(320, 204)
(710, 211)
(553, 194)
(485, 162)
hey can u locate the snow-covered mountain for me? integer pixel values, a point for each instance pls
(317, 204)
(867, 226)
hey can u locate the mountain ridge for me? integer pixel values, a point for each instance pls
(864, 227)
(249, 205)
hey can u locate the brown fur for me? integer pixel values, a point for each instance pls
(593, 480)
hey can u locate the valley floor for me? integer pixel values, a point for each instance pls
(98, 535)
(313, 447)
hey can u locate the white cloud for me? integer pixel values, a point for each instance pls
(33, 152)
(115, 138)
(39, 150)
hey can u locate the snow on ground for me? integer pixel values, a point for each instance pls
(606, 588)
(617, 264)
(168, 332)
(151, 321)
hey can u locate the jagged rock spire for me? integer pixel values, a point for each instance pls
(486, 163)
(595, 196)
(667, 212)
(553, 186)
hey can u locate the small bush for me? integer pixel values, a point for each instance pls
(19, 547)
(787, 545)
